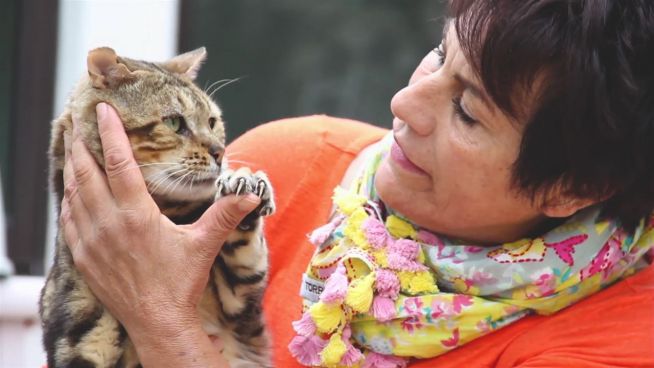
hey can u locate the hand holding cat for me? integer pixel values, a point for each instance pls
(149, 272)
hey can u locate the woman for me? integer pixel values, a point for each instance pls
(532, 119)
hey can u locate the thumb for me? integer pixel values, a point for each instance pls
(222, 217)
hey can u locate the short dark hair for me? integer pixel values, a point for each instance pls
(591, 131)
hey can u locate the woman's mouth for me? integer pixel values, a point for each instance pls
(397, 155)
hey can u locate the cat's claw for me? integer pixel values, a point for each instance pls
(261, 187)
(243, 181)
(240, 189)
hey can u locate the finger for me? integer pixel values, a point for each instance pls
(91, 182)
(222, 218)
(68, 226)
(68, 140)
(125, 179)
(76, 207)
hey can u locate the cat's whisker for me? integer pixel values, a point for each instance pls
(214, 83)
(240, 162)
(181, 180)
(191, 180)
(170, 187)
(234, 152)
(208, 91)
(223, 81)
(159, 163)
(178, 172)
(145, 165)
(164, 178)
(224, 85)
(154, 184)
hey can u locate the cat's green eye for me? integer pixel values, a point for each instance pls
(174, 122)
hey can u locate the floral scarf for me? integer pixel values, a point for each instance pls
(379, 291)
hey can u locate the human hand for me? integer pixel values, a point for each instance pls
(149, 272)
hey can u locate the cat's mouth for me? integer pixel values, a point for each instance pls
(184, 185)
(205, 180)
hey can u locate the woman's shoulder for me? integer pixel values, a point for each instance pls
(287, 148)
(306, 134)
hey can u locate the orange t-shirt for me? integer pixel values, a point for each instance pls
(305, 158)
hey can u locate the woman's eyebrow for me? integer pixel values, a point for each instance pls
(475, 90)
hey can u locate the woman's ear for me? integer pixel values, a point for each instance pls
(562, 206)
(187, 64)
(104, 69)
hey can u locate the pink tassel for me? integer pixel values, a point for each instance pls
(305, 325)
(387, 284)
(352, 356)
(307, 349)
(336, 286)
(405, 248)
(320, 235)
(428, 238)
(375, 232)
(383, 309)
(375, 360)
(402, 256)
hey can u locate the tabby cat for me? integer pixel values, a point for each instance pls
(178, 139)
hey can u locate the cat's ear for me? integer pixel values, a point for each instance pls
(187, 64)
(104, 69)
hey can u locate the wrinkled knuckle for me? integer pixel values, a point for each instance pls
(83, 173)
(134, 220)
(228, 220)
(70, 190)
(103, 228)
(116, 161)
(81, 260)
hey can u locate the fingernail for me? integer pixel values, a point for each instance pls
(248, 202)
(101, 110)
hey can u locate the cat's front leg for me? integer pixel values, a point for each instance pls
(240, 272)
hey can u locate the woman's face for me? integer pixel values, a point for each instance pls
(450, 167)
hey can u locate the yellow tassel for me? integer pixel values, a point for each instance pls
(332, 354)
(421, 256)
(400, 228)
(417, 282)
(380, 257)
(347, 201)
(359, 294)
(354, 231)
(327, 317)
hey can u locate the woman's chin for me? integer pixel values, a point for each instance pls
(390, 178)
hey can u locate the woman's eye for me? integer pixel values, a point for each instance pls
(440, 52)
(175, 123)
(461, 112)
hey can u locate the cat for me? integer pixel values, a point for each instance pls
(178, 139)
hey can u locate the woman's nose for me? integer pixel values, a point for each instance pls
(417, 106)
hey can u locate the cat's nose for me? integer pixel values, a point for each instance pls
(216, 151)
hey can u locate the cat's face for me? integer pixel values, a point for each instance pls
(175, 129)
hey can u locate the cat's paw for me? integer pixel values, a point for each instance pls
(243, 181)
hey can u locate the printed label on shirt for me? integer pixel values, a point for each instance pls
(311, 288)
